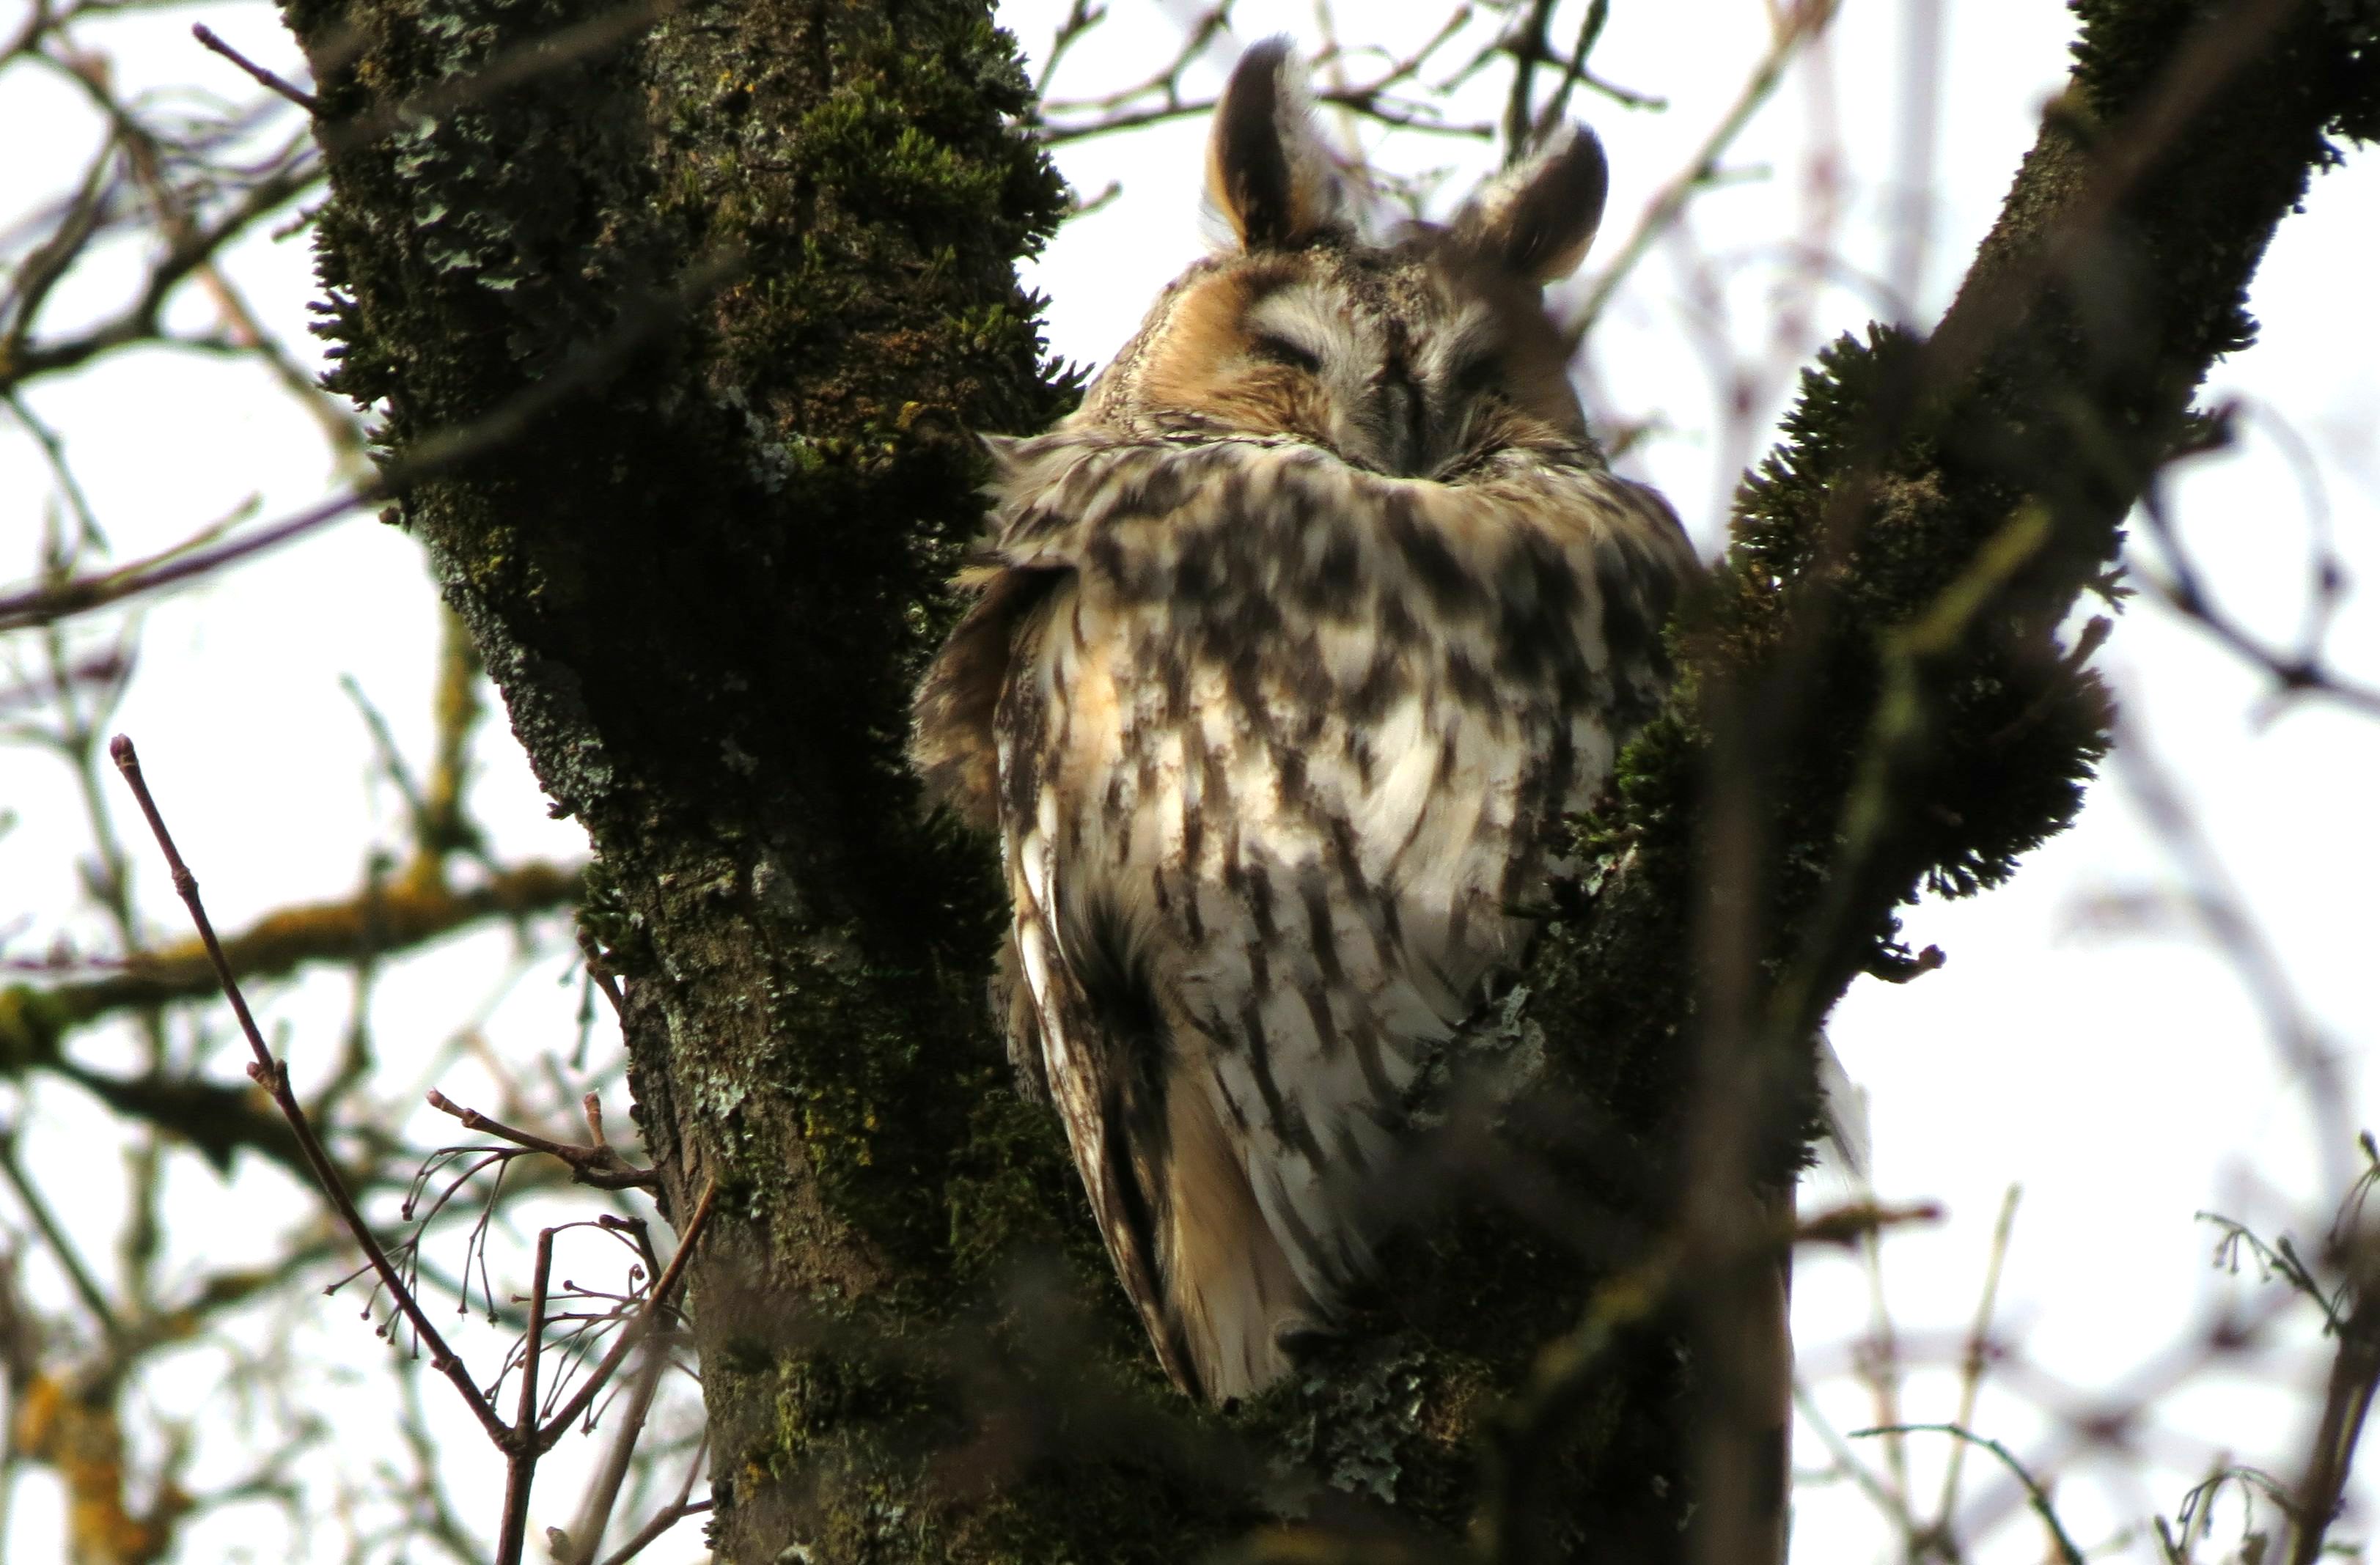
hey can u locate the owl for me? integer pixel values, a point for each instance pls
(1287, 652)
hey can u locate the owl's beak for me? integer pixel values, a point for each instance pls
(1402, 416)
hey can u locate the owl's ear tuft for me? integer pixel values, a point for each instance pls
(1538, 217)
(1267, 170)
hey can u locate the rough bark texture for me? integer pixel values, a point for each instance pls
(769, 248)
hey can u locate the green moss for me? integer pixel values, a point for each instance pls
(32, 1022)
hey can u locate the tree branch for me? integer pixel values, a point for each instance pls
(397, 917)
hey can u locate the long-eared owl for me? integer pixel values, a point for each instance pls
(1291, 647)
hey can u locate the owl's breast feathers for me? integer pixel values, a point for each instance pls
(1275, 746)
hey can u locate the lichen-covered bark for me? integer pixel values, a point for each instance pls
(767, 250)
(1874, 703)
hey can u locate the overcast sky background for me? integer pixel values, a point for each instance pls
(2120, 1074)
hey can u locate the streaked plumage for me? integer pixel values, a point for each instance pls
(1292, 646)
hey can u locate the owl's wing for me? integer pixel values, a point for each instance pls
(1276, 764)
(981, 719)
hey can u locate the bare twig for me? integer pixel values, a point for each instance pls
(54, 452)
(263, 77)
(2123, 1406)
(2300, 672)
(1377, 99)
(1887, 1497)
(48, 602)
(1977, 1358)
(69, 1259)
(2355, 1369)
(377, 920)
(2347, 1403)
(1526, 43)
(603, 1495)
(651, 1533)
(1198, 33)
(41, 270)
(522, 1450)
(274, 1077)
(590, 950)
(1803, 22)
(1369, 101)
(2305, 1049)
(1082, 16)
(646, 1321)
(599, 1164)
(669, 1515)
(187, 253)
(108, 668)
(1862, 1220)
(1575, 73)
(2068, 1553)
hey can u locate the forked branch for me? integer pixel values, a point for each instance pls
(272, 1075)
(523, 1440)
(598, 1163)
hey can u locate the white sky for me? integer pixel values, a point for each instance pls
(2123, 1077)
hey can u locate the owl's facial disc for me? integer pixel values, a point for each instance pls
(1393, 363)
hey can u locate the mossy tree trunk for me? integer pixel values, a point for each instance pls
(767, 250)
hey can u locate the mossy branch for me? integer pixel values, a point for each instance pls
(382, 921)
(1874, 701)
(406, 913)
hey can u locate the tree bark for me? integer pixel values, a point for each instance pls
(743, 276)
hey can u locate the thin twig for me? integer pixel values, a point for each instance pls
(669, 1516)
(54, 452)
(599, 1165)
(264, 79)
(191, 250)
(1112, 112)
(48, 602)
(1976, 1357)
(2066, 1553)
(520, 1460)
(392, 758)
(1370, 102)
(1081, 17)
(147, 158)
(2182, 588)
(603, 1493)
(1808, 18)
(591, 950)
(1861, 1221)
(274, 1077)
(646, 1318)
(85, 1286)
(663, 1519)
(1887, 1497)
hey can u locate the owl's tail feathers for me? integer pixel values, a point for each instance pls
(1229, 1285)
